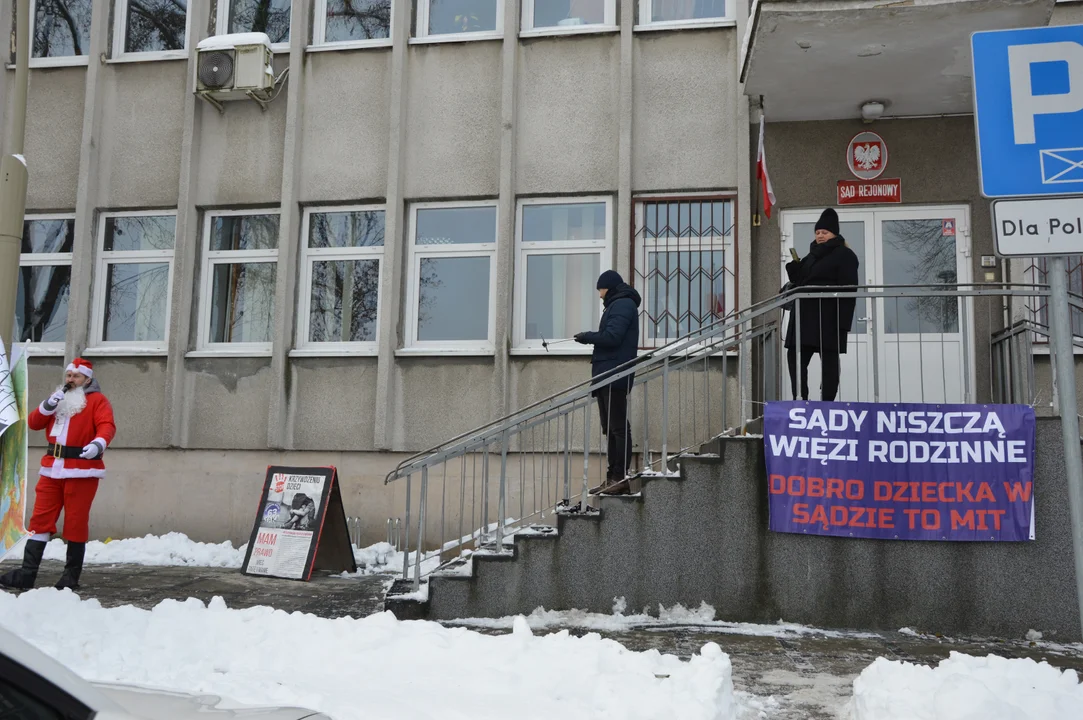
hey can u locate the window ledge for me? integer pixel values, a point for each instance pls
(227, 353)
(116, 350)
(577, 351)
(570, 30)
(445, 352)
(38, 350)
(455, 37)
(57, 62)
(1043, 350)
(685, 25)
(383, 43)
(315, 352)
(139, 57)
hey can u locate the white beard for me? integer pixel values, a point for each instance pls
(72, 404)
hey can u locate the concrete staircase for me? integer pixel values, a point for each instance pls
(702, 536)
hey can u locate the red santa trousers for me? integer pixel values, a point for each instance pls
(72, 495)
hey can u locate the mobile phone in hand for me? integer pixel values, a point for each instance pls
(794, 255)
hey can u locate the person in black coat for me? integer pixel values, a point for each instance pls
(825, 322)
(615, 343)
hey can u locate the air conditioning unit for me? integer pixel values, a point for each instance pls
(235, 67)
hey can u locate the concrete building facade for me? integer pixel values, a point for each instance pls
(370, 264)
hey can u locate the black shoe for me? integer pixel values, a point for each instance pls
(24, 577)
(73, 567)
(618, 488)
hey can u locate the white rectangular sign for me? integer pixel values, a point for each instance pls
(1024, 228)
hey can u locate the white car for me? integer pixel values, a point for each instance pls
(33, 686)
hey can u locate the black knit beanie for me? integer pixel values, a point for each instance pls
(609, 280)
(829, 220)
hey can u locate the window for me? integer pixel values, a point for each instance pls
(133, 280)
(682, 12)
(568, 15)
(266, 16)
(340, 290)
(151, 26)
(41, 309)
(60, 30)
(466, 19)
(562, 248)
(452, 266)
(1037, 273)
(684, 264)
(239, 281)
(354, 22)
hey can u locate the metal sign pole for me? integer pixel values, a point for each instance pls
(1061, 333)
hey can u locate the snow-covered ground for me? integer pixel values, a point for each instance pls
(967, 688)
(374, 668)
(177, 549)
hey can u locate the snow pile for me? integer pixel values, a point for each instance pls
(372, 668)
(964, 687)
(177, 549)
(703, 616)
(171, 549)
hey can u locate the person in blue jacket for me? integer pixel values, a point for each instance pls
(615, 343)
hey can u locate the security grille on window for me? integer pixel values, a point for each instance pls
(41, 308)
(134, 279)
(341, 284)
(60, 28)
(452, 252)
(151, 27)
(239, 272)
(563, 246)
(459, 17)
(675, 12)
(356, 22)
(568, 15)
(1037, 273)
(684, 265)
(266, 16)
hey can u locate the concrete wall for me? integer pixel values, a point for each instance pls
(611, 113)
(705, 538)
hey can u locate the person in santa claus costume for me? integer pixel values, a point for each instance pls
(78, 424)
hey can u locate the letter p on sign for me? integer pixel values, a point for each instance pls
(1025, 104)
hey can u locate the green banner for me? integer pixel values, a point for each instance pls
(13, 448)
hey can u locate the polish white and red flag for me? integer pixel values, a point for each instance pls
(764, 178)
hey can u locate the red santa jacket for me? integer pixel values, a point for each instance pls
(95, 421)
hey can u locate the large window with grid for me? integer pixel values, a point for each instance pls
(41, 307)
(240, 264)
(562, 245)
(341, 256)
(133, 280)
(452, 276)
(684, 264)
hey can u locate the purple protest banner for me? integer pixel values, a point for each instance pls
(898, 471)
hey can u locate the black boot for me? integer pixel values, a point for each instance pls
(24, 577)
(73, 567)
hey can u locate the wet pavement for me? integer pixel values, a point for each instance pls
(783, 675)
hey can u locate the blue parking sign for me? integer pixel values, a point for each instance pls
(1028, 111)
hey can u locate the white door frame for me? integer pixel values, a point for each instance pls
(871, 272)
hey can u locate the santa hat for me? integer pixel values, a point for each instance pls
(80, 365)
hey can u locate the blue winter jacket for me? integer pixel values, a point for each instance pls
(617, 339)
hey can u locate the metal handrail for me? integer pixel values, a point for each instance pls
(489, 432)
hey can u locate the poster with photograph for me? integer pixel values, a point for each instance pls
(301, 525)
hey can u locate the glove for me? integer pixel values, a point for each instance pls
(92, 451)
(53, 400)
(580, 338)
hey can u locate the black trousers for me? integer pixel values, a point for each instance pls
(613, 408)
(829, 372)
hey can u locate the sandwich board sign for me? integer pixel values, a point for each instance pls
(300, 526)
